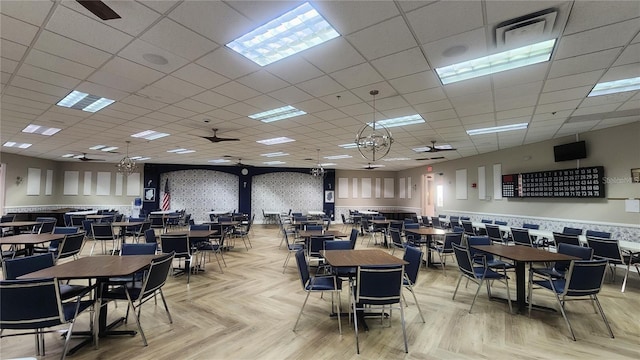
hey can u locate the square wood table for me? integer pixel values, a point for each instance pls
(355, 258)
(520, 256)
(335, 233)
(100, 268)
(123, 225)
(16, 225)
(427, 233)
(29, 240)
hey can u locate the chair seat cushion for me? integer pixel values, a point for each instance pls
(489, 274)
(69, 309)
(558, 285)
(552, 272)
(71, 291)
(323, 283)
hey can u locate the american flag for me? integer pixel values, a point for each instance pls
(166, 197)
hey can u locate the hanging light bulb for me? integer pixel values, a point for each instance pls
(319, 170)
(374, 140)
(126, 166)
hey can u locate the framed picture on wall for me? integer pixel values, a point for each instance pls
(635, 175)
(149, 194)
(329, 196)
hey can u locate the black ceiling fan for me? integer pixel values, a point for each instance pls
(99, 9)
(434, 148)
(371, 167)
(241, 164)
(431, 158)
(84, 157)
(216, 139)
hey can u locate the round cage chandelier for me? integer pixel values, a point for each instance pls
(126, 166)
(374, 140)
(318, 171)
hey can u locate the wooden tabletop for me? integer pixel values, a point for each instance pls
(352, 258)
(380, 222)
(523, 253)
(30, 239)
(93, 267)
(19, 223)
(193, 233)
(96, 216)
(425, 231)
(334, 233)
(127, 223)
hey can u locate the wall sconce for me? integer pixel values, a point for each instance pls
(19, 180)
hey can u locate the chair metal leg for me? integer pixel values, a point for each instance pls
(302, 308)
(338, 310)
(137, 317)
(476, 295)
(404, 330)
(165, 306)
(564, 315)
(606, 322)
(626, 275)
(355, 323)
(410, 288)
(457, 285)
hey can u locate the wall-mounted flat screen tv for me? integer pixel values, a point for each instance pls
(571, 151)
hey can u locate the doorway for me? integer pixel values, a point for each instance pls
(428, 191)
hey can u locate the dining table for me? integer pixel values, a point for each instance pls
(100, 269)
(521, 255)
(309, 233)
(16, 225)
(30, 240)
(124, 226)
(427, 234)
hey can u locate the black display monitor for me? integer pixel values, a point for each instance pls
(571, 151)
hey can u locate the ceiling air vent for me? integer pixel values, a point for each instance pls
(526, 29)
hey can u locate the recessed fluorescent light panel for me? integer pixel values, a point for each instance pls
(349, 146)
(42, 130)
(181, 151)
(140, 158)
(400, 121)
(149, 135)
(275, 154)
(336, 157)
(612, 87)
(275, 141)
(497, 129)
(507, 60)
(85, 102)
(327, 164)
(274, 162)
(284, 112)
(17, 144)
(104, 148)
(68, 155)
(295, 31)
(219, 161)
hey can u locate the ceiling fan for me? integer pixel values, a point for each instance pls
(434, 148)
(84, 157)
(431, 158)
(240, 164)
(371, 167)
(216, 139)
(99, 9)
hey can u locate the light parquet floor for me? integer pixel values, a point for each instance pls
(249, 311)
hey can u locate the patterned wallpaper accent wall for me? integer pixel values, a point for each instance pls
(282, 191)
(198, 191)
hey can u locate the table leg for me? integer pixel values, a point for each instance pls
(521, 302)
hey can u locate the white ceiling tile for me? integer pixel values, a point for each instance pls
(510, 114)
(265, 102)
(321, 86)
(212, 19)
(440, 115)
(517, 96)
(33, 12)
(171, 83)
(598, 39)
(116, 81)
(425, 96)
(290, 95)
(195, 106)
(470, 86)
(138, 48)
(159, 94)
(633, 103)
(132, 70)
(400, 64)
(135, 19)
(119, 106)
(102, 91)
(382, 39)
(474, 43)
(214, 99)
(175, 38)
(46, 76)
(587, 110)
(630, 55)
(243, 109)
(312, 106)
(583, 63)
(571, 81)
(564, 95)
(591, 14)
(16, 30)
(480, 118)
(58, 64)
(12, 50)
(557, 106)
(433, 106)
(160, 6)
(200, 76)
(25, 102)
(333, 55)
(509, 78)
(70, 49)
(622, 72)
(349, 16)
(356, 76)
(236, 91)
(87, 30)
(228, 63)
(33, 95)
(263, 81)
(415, 82)
(38, 86)
(143, 101)
(179, 112)
(445, 18)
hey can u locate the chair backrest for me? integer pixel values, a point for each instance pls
(156, 275)
(16, 267)
(442, 216)
(66, 229)
(200, 227)
(567, 239)
(76, 220)
(344, 219)
(303, 268)
(425, 220)
(531, 226)
(585, 277)
(102, 231)
(71, 246)
(463, 258)
(412, 226)
(435, 222)
(413, 256)
(30, 304)
(605, 249)
(454, 221)
(571, 231)
(337, 245)
(498, 222)
(458, 229)
(378, 217)
(175, 243)
(157, 221)
(521, 237)
(396, 240)
(225, 219)
(67, 219)
(316, 244)
(7, 218)
(296, 214)
(598, 234)
(486, 221)
(493, 232)
(582, 252)
(313, 227)
(450, 239)
(47, 227)
(379, 285)
(468, 228)
(353, 238)
(86, 225)
(138, 249)
(150, 236)
(213, 217)
(479, 240)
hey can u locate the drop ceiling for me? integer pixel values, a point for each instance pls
(50, 48)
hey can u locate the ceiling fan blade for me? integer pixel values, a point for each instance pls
(431, 158)
(215, 139)
(99, 9)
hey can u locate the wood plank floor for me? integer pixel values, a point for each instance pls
(249, 311)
